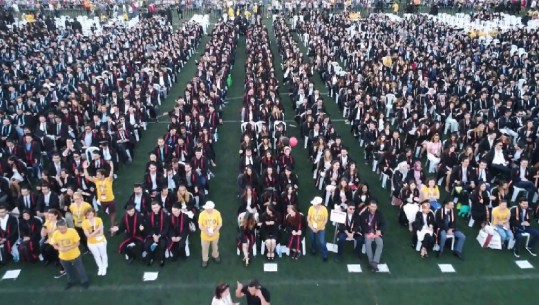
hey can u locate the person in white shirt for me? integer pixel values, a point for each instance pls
(222, 295)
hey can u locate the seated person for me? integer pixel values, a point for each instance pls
(132, 224)
(350, 230)
(500, 219)
(178, 232)
(521, 217)
(446, 225)
(424, 229)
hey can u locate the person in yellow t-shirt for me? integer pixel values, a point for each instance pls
(500, 219)
(78, 210)
(50, 255)
(317, 218)
(231, 13)
(210, 223)
(66, 241)
(97, 243)
(105, 193)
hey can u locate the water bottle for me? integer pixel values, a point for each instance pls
(279, 252)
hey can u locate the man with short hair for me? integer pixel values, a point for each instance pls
(132, 224)
(157, 226)
(446, 225)
(373, 226)
(178, 232)
(105, 192)
(66, 241)
(520, 222)
(210, 223)
(255, 293)
(9, 234)
(349, 230)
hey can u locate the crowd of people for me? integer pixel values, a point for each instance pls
(170, 200)
(73, 109)
(468, 107)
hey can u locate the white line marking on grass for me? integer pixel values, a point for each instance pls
(371, 279)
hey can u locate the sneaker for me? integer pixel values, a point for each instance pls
(61, 274)
(204, 264)
(531, 251)
(99, 272)
(515, 252)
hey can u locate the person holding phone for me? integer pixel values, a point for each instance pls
(255, 293)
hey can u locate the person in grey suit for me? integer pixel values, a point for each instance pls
(373, 226)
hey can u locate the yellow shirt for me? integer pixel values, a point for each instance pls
(104, 190)
(79, 212)
(210, 222)
(230, 12)
(51, 228)
(500, 217)
(98, 222)
(247, 14)
(70, 237)
(427, 192)
(317, 218)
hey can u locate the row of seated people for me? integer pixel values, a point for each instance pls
(334, 171)
(179, 167)
(107, 125)
(488, 144)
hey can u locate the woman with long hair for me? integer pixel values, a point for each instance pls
(269, 230)
(248, 201)
(97, 243)
(295, 228)
(246, 238)
(222, 295)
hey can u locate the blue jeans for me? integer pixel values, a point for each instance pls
(534, 235)
(319, 236)
(505, 235)
(459, 242)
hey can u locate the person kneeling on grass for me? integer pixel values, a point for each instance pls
(133, 225)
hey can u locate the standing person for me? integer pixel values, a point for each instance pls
(372, 226)
(210, 223)
(317, 218)
(97, 243)
(222, 295)
(66, 241)
(78, 210)
(255, 293)
(105, 193)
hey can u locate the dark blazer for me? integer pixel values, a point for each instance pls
(54, 202)
(515, 221)
(145, 202)
(353, 225)
(179, 226)
(11, 234)
(515, 175)
(33, 204)
(379, 222)
(440, 216)
(157, 224)
(420, 221)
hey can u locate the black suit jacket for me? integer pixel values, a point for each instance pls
(420, 221)
(379, 222)
(54, 203)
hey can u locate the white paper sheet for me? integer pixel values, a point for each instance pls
(11, 274)
(354, 268)
(446, 268)
(524, 264)
(383, 268)
(150, 276)
(270, 267)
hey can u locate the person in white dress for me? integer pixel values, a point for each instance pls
(222, 295)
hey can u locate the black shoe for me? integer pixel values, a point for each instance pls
(150, 262)
(313, 252)
(85, 285)
(130, 260)
(325, 259)
(68, 286)
(438, 254)
(531, 251)
(458, 255)
(515, 252)
(161, 263)
(338, 259)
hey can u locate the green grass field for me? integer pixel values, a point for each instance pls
(486, 277)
